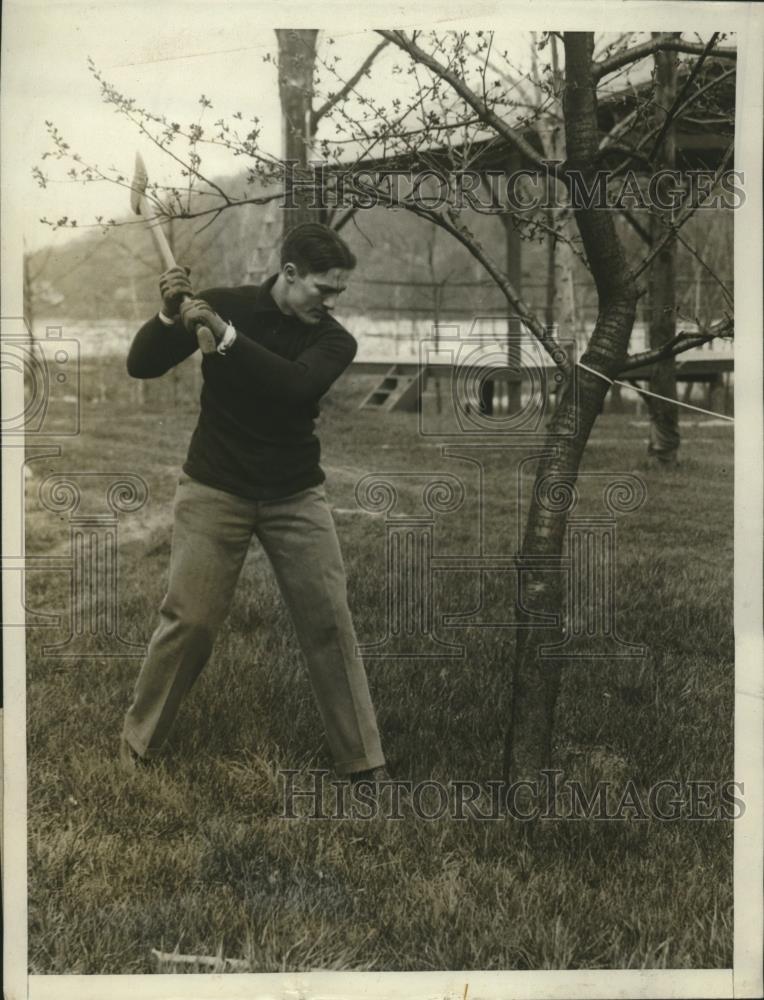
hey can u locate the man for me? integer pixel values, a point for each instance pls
(253, 469)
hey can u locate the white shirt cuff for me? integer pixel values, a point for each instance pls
(227, 339)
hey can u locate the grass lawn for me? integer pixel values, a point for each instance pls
(194, 854)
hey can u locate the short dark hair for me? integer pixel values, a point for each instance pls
(314, 248)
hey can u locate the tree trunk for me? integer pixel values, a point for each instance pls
(664, 417)
(551, 273)
(296, 62)
(565, 308)
(561, 279)
(535, 680)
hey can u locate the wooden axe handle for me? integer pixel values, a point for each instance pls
(204, 336)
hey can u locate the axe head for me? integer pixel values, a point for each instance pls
(138, 186)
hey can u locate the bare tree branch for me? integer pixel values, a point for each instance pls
(683, 217)
(637, 226)
(618, 129)
(466, 93)
(678, 345)
(344, 219)
(341, 94)
(664, 44)
(162, 213)
(631, 153)
(390, 132)
(544, 335)
(702, 90)
(725, 291)
(677, 102)
(678, 115)
(460, 232)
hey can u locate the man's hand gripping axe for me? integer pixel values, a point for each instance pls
(140, 205)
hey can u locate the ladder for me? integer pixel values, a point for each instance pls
(398, 390)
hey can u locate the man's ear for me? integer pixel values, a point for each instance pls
(290, 272)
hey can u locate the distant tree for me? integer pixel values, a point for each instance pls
(296, 70)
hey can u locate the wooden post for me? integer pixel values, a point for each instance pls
(514, 257)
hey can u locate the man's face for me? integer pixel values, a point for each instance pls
(310, 297)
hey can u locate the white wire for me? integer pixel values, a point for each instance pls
(655, 395)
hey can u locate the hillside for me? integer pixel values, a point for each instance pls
(401, 260)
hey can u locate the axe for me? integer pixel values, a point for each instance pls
(139, 204)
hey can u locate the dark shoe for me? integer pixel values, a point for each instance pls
(374, 782)
(129, 758)
(372, 776)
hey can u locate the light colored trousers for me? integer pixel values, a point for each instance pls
(211, 535)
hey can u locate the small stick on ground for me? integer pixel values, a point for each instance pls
(212, 961)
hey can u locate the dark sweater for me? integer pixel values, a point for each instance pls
(255, 434)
